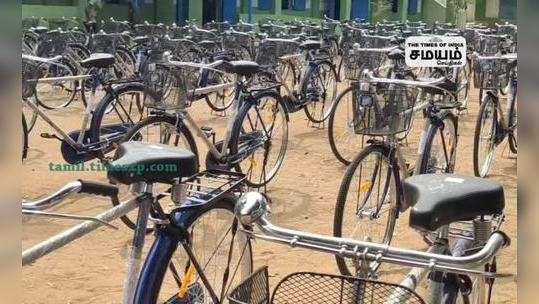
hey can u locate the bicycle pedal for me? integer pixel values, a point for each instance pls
(49, 136)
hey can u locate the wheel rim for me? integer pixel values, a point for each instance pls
(442, 152)
(324, 83)
(487, 138)
(370, 206)
(345, 141)
(270, 124)
(211, 235)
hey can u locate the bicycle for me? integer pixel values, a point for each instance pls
(370, 197)
(205, 201)
(461, 270)
(493, 123)
(384, 62)
(311, 89)
(257, 127)
(95, 140)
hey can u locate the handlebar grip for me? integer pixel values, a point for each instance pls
(98, 188)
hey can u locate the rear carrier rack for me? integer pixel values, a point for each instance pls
(210, 186)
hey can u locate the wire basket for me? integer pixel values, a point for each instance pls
(168, 87)
(488, 44)
(52, 43)
(356, 61)
(316, 288)
(490, 73)
(239, 44)
(271, 50)
(105, 43)
(388, 111)
(370, 41)
(31, 72)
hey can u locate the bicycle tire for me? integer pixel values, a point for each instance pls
(130, 66)
(24, 138)
(332, 136)
(108, 100)
(73, 71)
(333, 87)
(212, 98)
(432, 131)
(480, 172)
(344, 188)
(237, 132)
(150, 120)
(513, 138)
(160, 257)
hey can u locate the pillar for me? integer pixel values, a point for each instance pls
(403, 10)
(346, 8)
(277, 7)
(195, 10)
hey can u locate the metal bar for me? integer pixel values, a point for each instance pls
(66, 78)
(66, 216)
(54, 199)
(32, 254)
(354, 248)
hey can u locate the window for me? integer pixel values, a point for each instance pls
(50, 2)
(124, 2)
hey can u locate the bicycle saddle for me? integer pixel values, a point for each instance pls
(396, 54)
(241, 67)
(311, 45)
(40, 29)
(441, 199)
(98, 60)
(139, 40)
(151, 163)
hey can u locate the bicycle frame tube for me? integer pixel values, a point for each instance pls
(35, 252)
(63, 134)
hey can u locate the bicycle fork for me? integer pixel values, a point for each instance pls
(135, 257)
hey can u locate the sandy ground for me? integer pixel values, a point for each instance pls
(92, 269)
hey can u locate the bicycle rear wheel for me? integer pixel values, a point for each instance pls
(344, 142)
(320, 90)
(59, 93)
(486, 130)
(220, 248)
(366, 207)
(117, 112)
(440, 146)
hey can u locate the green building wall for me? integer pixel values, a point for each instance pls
(165, 11)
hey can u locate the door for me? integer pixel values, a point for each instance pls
(360, 9)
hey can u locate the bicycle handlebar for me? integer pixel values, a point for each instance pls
(252, 209)
(69, 189)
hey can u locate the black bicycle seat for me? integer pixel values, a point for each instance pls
(151, 163)
(241, 67)
(396, 54)
(311, 45)
(441, 199)
(139, 40)
(98, 60)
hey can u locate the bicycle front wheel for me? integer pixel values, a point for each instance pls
(59, 93)
(366, 206)
(439, 146)
(259, 138)
(320, 90)
(344, 142)
(220, 248)
(486, 130)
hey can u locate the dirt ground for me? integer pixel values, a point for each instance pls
(92, 269)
